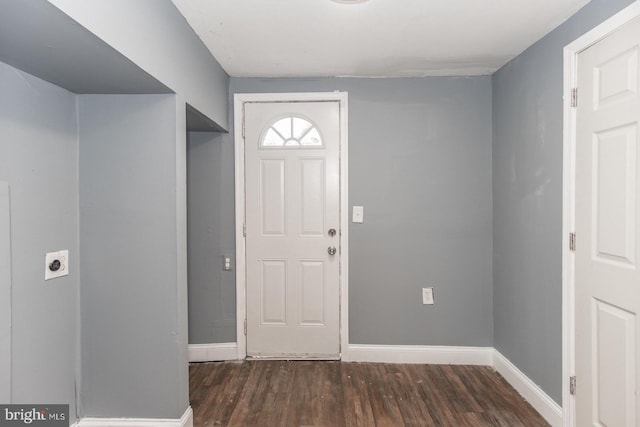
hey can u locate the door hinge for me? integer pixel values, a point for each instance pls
(574, 97)
(244, 230)
(245, 327)
(572, 242)
(572, 385)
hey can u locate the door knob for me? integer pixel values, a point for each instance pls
(331, 250)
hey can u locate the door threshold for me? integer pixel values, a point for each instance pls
(297, 357)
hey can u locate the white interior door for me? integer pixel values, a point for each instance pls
(5, 295)
(607, 231)
(292, 179)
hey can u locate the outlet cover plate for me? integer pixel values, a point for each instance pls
(427, 296)
(63, 257)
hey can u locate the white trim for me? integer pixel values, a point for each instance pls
(241, 302)
(541, 402)
(213, 352)
(437, 355)
(571, 52)
(241, 308)
(185, 421)
(344, 223)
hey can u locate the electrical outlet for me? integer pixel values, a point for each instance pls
(427, 296)
(56, 264)
(226, 262)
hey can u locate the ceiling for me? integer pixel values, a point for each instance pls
(377, 38)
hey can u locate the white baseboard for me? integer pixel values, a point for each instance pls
(185, 421)
(546, 406)
(213, 352)
(439, 355)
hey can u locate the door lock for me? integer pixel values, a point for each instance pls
(332, 232)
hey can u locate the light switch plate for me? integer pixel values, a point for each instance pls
(50, 257)
(358, 214)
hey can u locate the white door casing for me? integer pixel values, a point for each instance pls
(601, 205)
(295, 291)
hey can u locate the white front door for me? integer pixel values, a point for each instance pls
(292, 178)
(607, 204)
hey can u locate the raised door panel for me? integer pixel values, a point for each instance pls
(273, 292)
(614, 193)
(616, 79)
(614, 363)
(312, 197)
(312, 293)
(273, 197)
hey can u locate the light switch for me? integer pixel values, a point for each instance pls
(358, 214)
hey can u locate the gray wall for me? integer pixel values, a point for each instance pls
(5, 293)
(527, 194)
(156, 37)
(420, 164)
(212, 311)
(133, 360)
(40, 39)
(39, 160)
(133, 331)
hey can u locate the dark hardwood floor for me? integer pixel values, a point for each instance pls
(333, 394)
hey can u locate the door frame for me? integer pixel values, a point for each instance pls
(571, 52)
(240, 194)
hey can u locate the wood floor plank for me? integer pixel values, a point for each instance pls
(265, 396)
(460, 397)
(473, 381)
(356, 405)
(384, 405)
(412, 407)
(508, 402)
(336, 394)
(219, 392)
(434, 391)
(317, 395)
